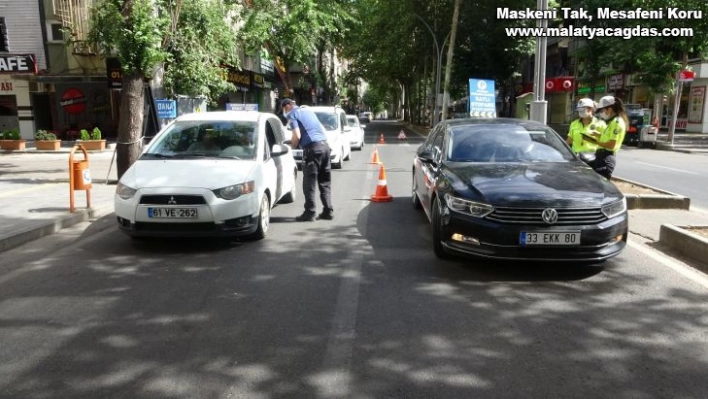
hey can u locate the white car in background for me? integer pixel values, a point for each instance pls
(334, 120)
(208, 174)
(356, 135)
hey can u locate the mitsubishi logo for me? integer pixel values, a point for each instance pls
(173, 202)
(550, 216)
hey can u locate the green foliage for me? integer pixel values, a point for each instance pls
(205, 39)
(133, 30)
(96, 134)
(11, 134)
(293, 31)
(42, 135)
(84, 134)
(656, 59)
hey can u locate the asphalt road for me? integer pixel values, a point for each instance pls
(680, 173)
(357, 307)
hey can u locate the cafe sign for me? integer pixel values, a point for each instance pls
(18, 63)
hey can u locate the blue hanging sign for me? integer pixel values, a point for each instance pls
(166, 109)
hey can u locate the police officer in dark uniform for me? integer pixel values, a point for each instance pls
(309, 135)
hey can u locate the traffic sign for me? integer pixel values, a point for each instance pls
(686, 76)
(482, 98)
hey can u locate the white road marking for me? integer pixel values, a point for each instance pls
(337, 380)
(666, 167)
(686, 271)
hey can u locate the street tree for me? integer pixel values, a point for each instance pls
(450, 52)
(291, 30)
(144, 35)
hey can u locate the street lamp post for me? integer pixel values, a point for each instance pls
(539, 106)
(439, 51)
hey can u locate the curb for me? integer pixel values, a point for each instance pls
(664, 200)
(686, 243)
(15, 239)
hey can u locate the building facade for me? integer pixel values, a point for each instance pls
(22, 56)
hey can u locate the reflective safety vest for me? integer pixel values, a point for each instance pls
(575, 133)
(615, 130)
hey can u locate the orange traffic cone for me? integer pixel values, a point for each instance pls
(402, 135)
(381, 139)
(381, 189)
(375, 157)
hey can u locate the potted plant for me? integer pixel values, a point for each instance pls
(92, 141)
(46, 141)
(11, 140)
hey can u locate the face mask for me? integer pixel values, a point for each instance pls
(583, 113)
(605, 115)
(286, 113)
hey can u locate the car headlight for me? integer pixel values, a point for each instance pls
(235, 191)
(615, 208)
(472, 208)
(125, 192)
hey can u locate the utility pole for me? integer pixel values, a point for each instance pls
(539, 106)
(439, 52)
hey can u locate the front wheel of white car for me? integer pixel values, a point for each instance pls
(263, 220)
(290, 197)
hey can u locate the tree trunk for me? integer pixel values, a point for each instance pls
(450, 51)
(130, 123)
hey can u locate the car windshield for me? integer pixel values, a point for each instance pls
(506, 143)
(197, 139)
(328, 120)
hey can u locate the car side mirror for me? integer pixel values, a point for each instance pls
(362, 126)
(279, 149)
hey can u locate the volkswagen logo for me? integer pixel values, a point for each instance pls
(173, 202)
(550, 216)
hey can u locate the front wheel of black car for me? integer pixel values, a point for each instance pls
(438, 247)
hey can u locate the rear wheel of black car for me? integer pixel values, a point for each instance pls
(438, 248)
(416, 201)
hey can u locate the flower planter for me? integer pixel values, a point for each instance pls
(47, 145)
(13, 145)
(92, 145)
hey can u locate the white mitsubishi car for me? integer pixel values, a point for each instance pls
(208, 174)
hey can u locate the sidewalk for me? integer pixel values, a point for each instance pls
(34, 193)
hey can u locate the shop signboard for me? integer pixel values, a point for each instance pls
(241, 107)
(696, 103)
(166, 109)
(18, 64)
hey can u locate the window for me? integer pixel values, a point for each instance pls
(55, 32)
(3, 36)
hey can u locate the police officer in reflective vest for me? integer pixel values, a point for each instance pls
(612, 111)
(581, 127)
(309, 134)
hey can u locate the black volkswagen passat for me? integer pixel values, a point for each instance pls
(511, 189)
